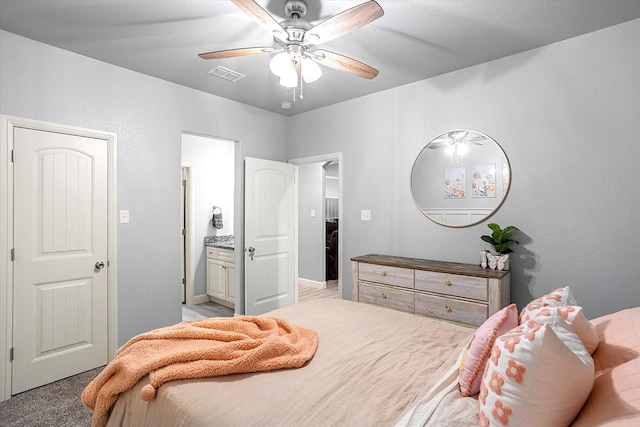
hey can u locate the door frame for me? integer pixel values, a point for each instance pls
(7, 124)
(189, 287)
(325, 158)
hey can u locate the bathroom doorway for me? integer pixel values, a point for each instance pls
(208, 181)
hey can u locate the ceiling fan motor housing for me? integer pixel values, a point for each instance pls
(295, 9)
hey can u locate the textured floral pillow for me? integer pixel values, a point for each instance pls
(561, 296)
(538, 374)
(477, 352)
(574, 316)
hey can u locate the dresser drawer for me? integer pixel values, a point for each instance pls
(387, 275)
(387, 297)
(452, 284)
(468, 312)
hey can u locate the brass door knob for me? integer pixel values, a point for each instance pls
(448, 308)
(384, 273)
(447, 282)
(384, 295)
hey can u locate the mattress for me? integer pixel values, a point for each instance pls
(371, 365)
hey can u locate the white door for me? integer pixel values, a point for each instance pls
(60, 268)
(270, 224)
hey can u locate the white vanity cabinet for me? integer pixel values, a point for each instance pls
(221, 276)
(457, 292)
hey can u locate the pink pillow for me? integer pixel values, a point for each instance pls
(538, 374)
(478, 351)
(615, 398)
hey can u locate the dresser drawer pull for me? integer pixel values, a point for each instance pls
(447, 282)
(448, 308)
(384, 295)
(384, 273)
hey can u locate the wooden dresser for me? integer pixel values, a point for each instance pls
(463, 293)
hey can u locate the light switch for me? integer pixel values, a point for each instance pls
(124, 217)
(365, 215)
(313, 213)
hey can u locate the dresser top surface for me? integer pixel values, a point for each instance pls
(430, 265)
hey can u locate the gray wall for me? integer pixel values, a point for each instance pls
(567, 115)
(41, 82)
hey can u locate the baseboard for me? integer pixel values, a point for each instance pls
(312, 283)
(199, 299)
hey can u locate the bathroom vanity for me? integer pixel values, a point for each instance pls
(221, 287)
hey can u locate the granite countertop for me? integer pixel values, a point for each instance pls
(223, 242)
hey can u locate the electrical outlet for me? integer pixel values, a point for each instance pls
(365, 215)
(124, 217)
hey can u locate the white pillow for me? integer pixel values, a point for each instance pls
(561, 296)
(538, 374)
(571, 312)
(574, 316)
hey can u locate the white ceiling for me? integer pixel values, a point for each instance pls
(414, 40)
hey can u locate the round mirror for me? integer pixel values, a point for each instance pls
(460, 178)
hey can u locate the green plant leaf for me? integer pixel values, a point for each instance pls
(499, 238)
(495, 227)
(488, 239)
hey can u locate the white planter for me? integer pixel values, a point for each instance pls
(498, 262)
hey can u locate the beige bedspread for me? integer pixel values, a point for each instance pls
(372, 364)
(199, 349)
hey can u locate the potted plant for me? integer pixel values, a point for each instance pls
(501, 242)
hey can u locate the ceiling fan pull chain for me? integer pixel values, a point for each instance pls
(300, 77)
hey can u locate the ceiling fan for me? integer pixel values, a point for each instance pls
(456, 137)
(296, 39)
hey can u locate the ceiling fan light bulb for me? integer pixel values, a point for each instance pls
(289, 78)
(310, 70)
(280, 64)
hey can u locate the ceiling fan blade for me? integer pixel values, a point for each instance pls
(262, 17)
(344, 63)
(344, 22)
(438, 144)
(232, 53)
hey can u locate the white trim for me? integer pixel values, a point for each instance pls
(325, 158)
(189, 273)
(7, 123)
(312, 283)
(199, 299)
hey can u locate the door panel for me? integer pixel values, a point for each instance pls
(60, 234)
(270, 224)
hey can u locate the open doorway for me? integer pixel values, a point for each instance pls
(208, 205)
(319, 225)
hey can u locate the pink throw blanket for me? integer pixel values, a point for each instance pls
(198, 349)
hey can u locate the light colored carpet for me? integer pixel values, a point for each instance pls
(56, 404)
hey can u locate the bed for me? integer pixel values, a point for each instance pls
(377, 367)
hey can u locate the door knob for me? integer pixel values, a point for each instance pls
(100, 265)
(251, 250)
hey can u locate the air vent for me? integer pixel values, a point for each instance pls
(227, 74)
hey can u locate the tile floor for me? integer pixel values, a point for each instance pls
(204, 310)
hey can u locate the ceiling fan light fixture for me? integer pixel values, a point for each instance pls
(289, 78)
(310, 70)
(280, 64)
